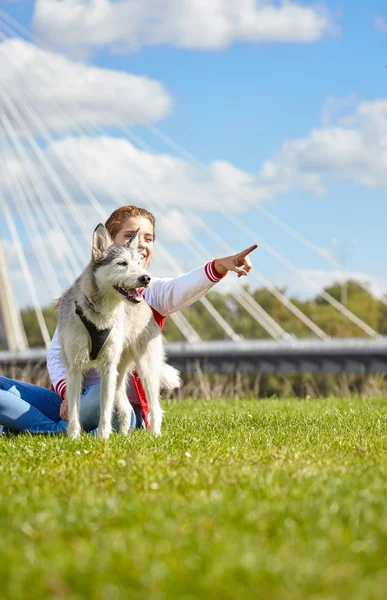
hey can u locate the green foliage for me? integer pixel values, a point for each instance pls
(31, 324)
(360, 302)
(239, 499)
(382, 319)
(368, 308)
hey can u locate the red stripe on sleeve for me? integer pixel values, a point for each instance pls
(60, 387)
(212, 273)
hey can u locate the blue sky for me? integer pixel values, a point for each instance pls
(242, 102)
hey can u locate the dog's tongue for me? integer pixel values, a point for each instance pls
(131, 294)
(135, 295)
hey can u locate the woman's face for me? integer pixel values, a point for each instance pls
(145, 236)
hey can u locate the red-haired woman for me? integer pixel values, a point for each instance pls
(26, 407)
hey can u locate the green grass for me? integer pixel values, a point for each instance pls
(237, 500)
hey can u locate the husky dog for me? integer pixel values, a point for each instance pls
(104, 323)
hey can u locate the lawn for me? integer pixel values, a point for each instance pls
(238, 499)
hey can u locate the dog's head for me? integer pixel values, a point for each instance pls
(118, 266)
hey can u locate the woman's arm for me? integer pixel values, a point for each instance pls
(170, 295)
(55, 366)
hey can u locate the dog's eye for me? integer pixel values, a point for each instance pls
(123, 263)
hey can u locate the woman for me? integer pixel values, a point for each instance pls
(27, 407)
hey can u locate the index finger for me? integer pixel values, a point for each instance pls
(248, 250)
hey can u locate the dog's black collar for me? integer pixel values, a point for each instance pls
(98, 336)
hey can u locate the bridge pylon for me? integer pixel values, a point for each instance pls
(12, 334)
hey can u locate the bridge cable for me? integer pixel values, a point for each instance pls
(329, 298)
(180, 321)
(317, 330)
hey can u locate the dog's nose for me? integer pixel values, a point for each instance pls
(144, 279)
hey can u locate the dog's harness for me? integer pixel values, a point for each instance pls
(98, 336)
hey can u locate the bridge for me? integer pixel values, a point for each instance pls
(358, 356)
(49, 207)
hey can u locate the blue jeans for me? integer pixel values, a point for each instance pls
(27, 407)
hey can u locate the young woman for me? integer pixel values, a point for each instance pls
(27, 407)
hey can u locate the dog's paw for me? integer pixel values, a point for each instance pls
(73, 433)
(124, 428)
(125, 418)
(156, 431)
(103, 434)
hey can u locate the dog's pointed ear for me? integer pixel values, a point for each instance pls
(133, 242)
(101, 242)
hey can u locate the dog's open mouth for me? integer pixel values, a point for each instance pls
(130, 294)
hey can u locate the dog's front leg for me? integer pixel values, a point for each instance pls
(123, 406)
(149, 365)
(108, 391)
(73, 394)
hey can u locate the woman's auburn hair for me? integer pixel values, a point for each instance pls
(117, 219)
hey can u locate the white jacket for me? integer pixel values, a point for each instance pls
(165, 296)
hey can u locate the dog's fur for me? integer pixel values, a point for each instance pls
(135, 337)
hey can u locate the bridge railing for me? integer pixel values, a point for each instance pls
(350, 355)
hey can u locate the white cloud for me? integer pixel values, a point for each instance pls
(128, 25)
(116, 171)
(333, 107)
(63, 92)
(173, 226)
(380, 24)
(354, 149)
